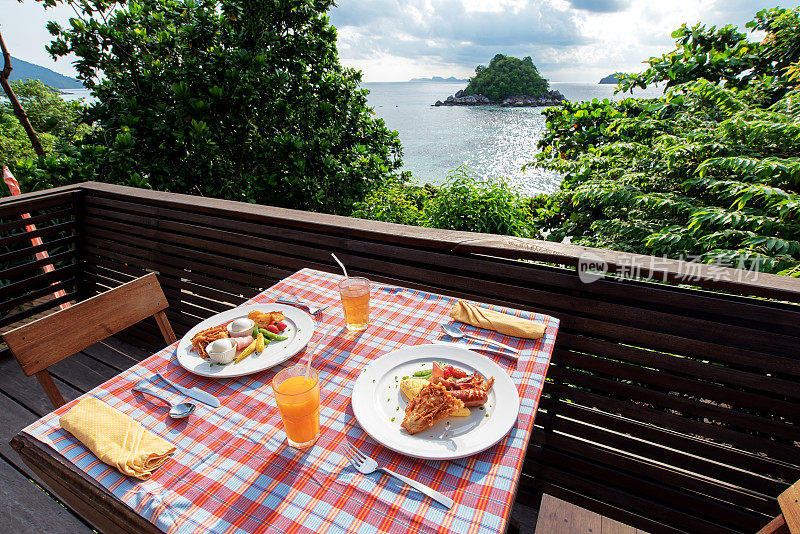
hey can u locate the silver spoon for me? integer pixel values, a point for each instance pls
(456, 333)
(176, 411)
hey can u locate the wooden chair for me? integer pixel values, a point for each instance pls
(788, 521)
(46, 341)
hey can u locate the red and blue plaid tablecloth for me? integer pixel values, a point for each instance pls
(233, 471)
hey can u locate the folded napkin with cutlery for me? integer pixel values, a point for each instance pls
(502, 323)
(115, 438)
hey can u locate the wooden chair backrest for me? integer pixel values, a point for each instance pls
(788, 521)
(46, 341)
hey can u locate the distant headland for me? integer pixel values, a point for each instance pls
(451, 79)
(23, 70)
(507, 82)
(612, 79)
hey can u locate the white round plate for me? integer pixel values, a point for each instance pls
(299, 329)
(379, 406)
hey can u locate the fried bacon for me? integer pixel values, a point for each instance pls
(201, 339)
(430, 405)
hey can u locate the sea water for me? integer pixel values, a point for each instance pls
(493, 143)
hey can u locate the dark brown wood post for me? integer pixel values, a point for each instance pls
(19, 111)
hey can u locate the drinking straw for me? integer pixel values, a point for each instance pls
(340, 264)
(316, 344)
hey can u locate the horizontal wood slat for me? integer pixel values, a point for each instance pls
(689, 453)
(35, 282)
(25, 237)
(66, 213)
(628, 381)
(13, 207)
(53, 259)
(29, 252)
(674, 489)
(45, 306)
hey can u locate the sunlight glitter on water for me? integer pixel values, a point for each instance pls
(492, 142)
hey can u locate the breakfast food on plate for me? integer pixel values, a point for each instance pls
(243, 341)
(433, 403)
(207, 336)
(240, 327)
(441, 392)
(265, 320)
(472, 390)
(248, 335)
(411, 386)
(222, 350)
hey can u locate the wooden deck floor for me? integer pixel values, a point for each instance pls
(27, 507)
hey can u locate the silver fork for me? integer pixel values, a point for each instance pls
(312, 307)
(366, 465)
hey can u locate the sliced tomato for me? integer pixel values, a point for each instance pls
(272, 328)
(454, 372)
(281, 326)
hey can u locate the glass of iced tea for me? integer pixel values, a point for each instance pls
(355, 301)
(298, 404)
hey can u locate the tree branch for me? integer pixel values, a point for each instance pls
(19, 111)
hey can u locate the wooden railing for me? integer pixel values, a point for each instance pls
(668, 407)
(26, 290)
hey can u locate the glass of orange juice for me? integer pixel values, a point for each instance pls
(355, 301)
(298, 404)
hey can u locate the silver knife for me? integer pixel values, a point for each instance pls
(195, 393)
(472, 346)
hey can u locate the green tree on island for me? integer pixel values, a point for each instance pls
(507, 76)
(237, 99)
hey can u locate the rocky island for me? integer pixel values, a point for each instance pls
(612, 78)
(506, 82)
(551, 98)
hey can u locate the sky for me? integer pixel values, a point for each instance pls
(396, 40)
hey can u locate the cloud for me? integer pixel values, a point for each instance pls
(455, 36)
(569, 40)
(600, 6)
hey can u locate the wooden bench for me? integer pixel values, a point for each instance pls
(560, 517)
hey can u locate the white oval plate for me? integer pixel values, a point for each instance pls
(377, 399)
(299, 329)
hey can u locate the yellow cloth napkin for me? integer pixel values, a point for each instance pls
(503, 323)
(115, 438)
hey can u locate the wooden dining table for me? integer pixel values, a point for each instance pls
(233, 470)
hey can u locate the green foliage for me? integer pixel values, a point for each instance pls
(725, 56)
(709, 172)
(58, 124)
(507, 76)
(236, 99)
(461, 203)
